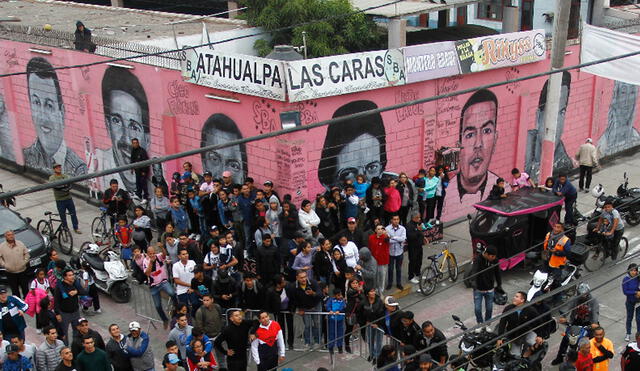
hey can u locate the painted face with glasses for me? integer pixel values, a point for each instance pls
(360, 156)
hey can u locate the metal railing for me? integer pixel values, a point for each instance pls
(105, 46)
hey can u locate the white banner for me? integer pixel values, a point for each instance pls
(598, 43)
(234, 72)
(343, 74)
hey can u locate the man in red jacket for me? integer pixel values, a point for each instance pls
(379, 247)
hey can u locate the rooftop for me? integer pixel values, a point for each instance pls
(408, 7)
(115, 23)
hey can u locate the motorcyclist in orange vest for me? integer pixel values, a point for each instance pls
(558, 246)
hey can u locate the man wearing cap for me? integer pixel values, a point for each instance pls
(139, 154)
(269, 191)
(172, 363)
(14, 361)
(587, 158)
(392, 321)
(353, 233)
(139, 349)
(485, 272)
(227, 181)
(83, 330)
(426, 362)
(91, 357)
(12, 310)
(14, 257)
(62, 195)
(67, 363)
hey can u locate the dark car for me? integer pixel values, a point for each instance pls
(37, 244)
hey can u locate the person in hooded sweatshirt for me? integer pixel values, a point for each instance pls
(368, 266)
(83, 38)
(273, 217)
(180, 333)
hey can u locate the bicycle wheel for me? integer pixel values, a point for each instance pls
(623, 246)
(65, 240)
(99, 230)
(428, 281)
(44, 227)
(452, 267)
(595, 258)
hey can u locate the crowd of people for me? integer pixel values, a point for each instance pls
(238, 262)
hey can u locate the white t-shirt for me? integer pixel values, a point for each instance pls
(350, 252)
(87, 277)
(29, 352)
(184, 273)
(37, 285)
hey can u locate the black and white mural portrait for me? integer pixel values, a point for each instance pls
(220, 129)
(620, 133)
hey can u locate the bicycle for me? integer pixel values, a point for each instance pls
(99, 230)
(442, 263)
(61, 234)
(598, 253)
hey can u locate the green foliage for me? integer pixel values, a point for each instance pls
(333, 35)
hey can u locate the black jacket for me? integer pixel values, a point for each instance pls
(267, 262)
(526, 317)
(328, 220)
(290, 224)
(487, 274)
(415, 237)
(438, 351)
(116, 354)
(409, 335)
(322, 266)
(138, 155)
(76, 345)
(495, 193)
(83, 39)
(251, 298)
(115, 206)
(400, 188)
(225, 288)
(272, 300)
(372, 312)
(65, 303)
(237, 339)
(299, 297)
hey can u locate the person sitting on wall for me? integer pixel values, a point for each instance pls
(83, 39)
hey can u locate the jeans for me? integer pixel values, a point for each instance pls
(157, 299)
(191, 300)
(585, 172)
(202, 221)
(381, 277)
(64, 206)
(248, 236)
(613, 243)
(478, 296)
(631, 309)
(142, 190)
(415, 261)
(69, 319)
(336, 333)
(569, 203)
(374, 341)
(397, 261)
(311, 326)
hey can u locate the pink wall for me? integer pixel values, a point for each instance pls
(177, 112)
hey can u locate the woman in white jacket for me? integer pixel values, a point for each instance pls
(308, 218)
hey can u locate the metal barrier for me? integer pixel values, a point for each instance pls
(143, 303)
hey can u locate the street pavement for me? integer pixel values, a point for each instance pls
(449, 298)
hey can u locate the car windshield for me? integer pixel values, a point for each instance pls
(489, 222)
(10, 221)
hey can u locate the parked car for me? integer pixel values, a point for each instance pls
(37, 244)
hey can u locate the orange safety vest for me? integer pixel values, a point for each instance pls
(556, 261)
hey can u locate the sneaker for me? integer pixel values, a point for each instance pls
(400, 287)
(627, 337)
(557, 361)
(586, 191)
(98, 310)
(415, 280)
(77, 231)
(291, 348)
(307, 347)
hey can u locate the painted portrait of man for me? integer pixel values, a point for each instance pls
(126, 114)
(6, 140)
(620, 133)
(220, 129)
(478, 136)
(535, 137)
(353, 147)
(47, 114)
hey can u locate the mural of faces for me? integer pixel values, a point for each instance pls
(478, 137)
(126, 112)
(353, 147)
(6, 143)
(620, 133)
(220, 129)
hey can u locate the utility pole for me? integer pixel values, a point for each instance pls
(552, 106)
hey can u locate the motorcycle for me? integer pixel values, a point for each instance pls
(107, 269)
(574, 333)
(503, 360)
(626, 201)
(543, 281)
(475, 348)
(7, 202)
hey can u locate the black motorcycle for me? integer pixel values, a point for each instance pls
(626, 201)
(503, 360)
(475, 348)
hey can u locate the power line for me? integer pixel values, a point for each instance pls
(142, 55)
(331, 121)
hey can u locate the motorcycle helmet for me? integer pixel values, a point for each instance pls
(92, 249)
(500, 297)
(583, 288)
(597, 191)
